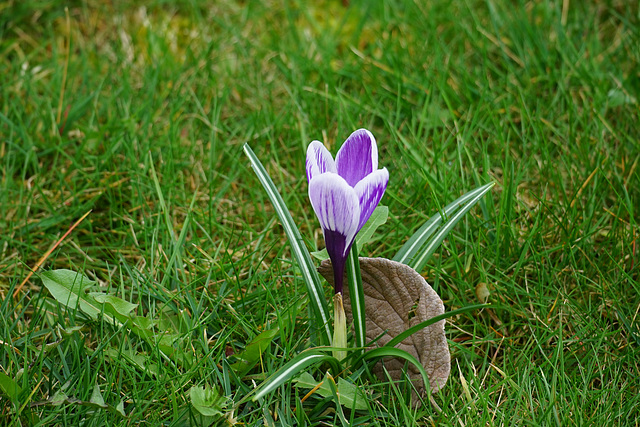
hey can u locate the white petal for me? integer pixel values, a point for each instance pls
(319, 160)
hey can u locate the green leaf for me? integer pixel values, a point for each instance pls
(208, 401)
(307, 269)
(120, 408)
(306, 380)
(419, 248)
(253, 351)
(10, 387)
(96, 396)
(116, 306)
(292, 368)
(58, 398)
(377, 218)
(68, 288)
(349, 395)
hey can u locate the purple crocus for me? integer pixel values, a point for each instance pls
(344, 193)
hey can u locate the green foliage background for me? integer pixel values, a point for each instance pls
(138, 111)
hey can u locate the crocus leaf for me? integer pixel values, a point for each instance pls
(357, 302)
(292, 369)
(420, 246)
(300, 251)
(378, 218)
(396, 299)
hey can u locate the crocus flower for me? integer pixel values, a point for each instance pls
(344, 193)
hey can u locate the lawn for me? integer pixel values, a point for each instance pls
(135, 114)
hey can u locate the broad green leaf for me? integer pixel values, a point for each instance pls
(96, 396)
(307, 269)
(69, 289)
(208, 401)
(69, 331)
(306, 380)
(9, 387)
(253, 351)
(58, 398)
(118, 306)
(120, 408)
(349, 395)
(377, 218)
(419, 248)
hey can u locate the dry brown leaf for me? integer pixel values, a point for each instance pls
(397, 298)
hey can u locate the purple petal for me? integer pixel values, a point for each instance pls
(319, 160)
(370, 190)
(338, 209)
(358, 157)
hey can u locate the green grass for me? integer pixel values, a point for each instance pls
(541, 97)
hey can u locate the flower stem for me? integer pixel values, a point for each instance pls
(339, 327)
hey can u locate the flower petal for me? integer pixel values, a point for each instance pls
(338, 209)
(370, 190)
(319, 160)
(358, 157)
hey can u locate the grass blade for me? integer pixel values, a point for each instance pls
(307, 269)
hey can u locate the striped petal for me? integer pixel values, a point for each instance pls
(338, 209)
(358, 157)
(369, 191)
(319, 160)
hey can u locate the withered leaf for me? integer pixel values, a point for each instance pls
(397, 298)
